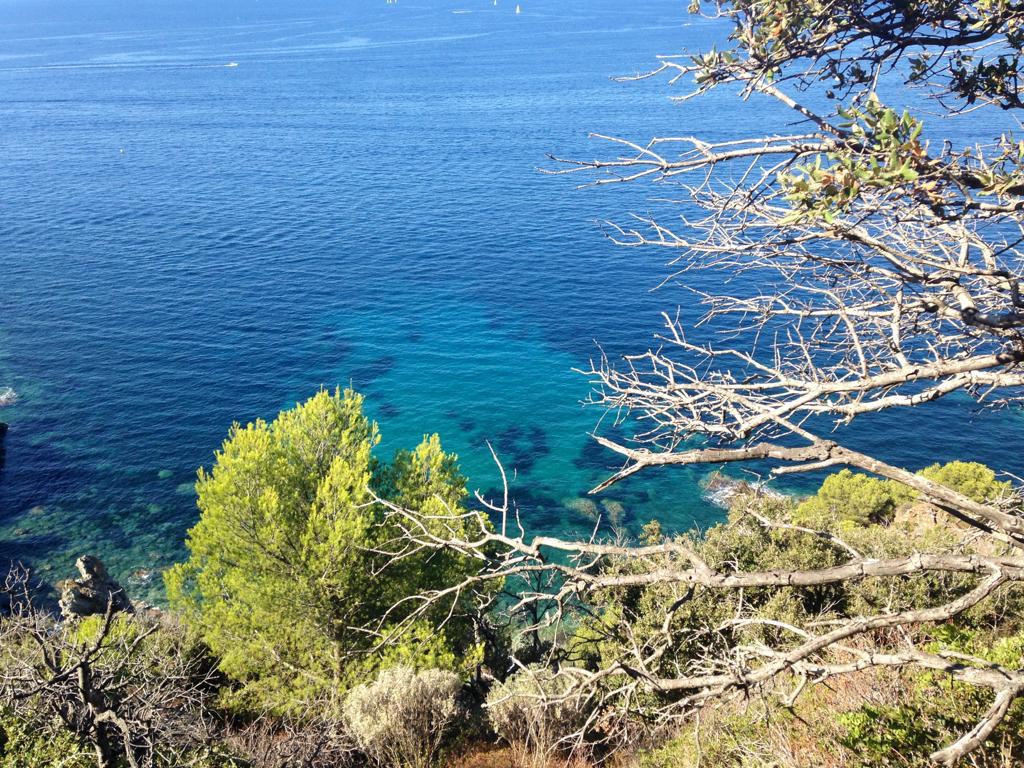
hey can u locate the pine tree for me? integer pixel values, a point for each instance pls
(287, 580)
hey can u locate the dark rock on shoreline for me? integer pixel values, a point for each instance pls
(93, 592)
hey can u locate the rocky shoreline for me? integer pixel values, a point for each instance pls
(722, 491)
(93, 592)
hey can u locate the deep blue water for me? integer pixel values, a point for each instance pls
(184, 244)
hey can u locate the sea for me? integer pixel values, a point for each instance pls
(211, 210)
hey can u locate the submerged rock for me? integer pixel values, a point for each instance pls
(8, 396)
(582, 506)
(615, 510)
(93, 592)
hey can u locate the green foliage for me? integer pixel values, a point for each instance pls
(936, 710)
(773, 35)
(622, 620)
(889, 155)
(856, 499)
(27, 745)
(888, 736)
(678, 752)
(851, 497)
(974, 480)
(733, 741)
(285, 566)
(966, 52)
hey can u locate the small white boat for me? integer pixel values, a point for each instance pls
(231, 64)
(518, 9)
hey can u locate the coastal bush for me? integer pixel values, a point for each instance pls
(401, 718)
(291, 579)
(894, 736)
(935, 709)
(624, 622)
(887, 719)
(974, 480)
(623, 619)
(538, 713)
(853, 498)
(40, 744)
(769, 732)
(108, 690)
(734, 741)
(621, 622)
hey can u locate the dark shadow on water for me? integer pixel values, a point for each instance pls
(364, 375)
(571, 516)
(388, 409)
(518, 447)
(595, 456)
(23, 548)
(54, 474)
(537, 512)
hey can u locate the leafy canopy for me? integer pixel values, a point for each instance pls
(974, 480)
(288, 579)
(853, 497)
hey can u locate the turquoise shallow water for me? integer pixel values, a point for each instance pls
(185, 243)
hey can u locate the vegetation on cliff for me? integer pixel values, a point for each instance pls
(144, 688)
(291, 580)
(337, 609)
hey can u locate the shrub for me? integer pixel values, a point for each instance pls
(320, 739)
(974, 480)
(536, 711)
(124, 689)
(853, 498)
(850, 497)
(38, 745)
(937, 709)
(622, 619)
(888, 736)
(738, 740)
(401, 718)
